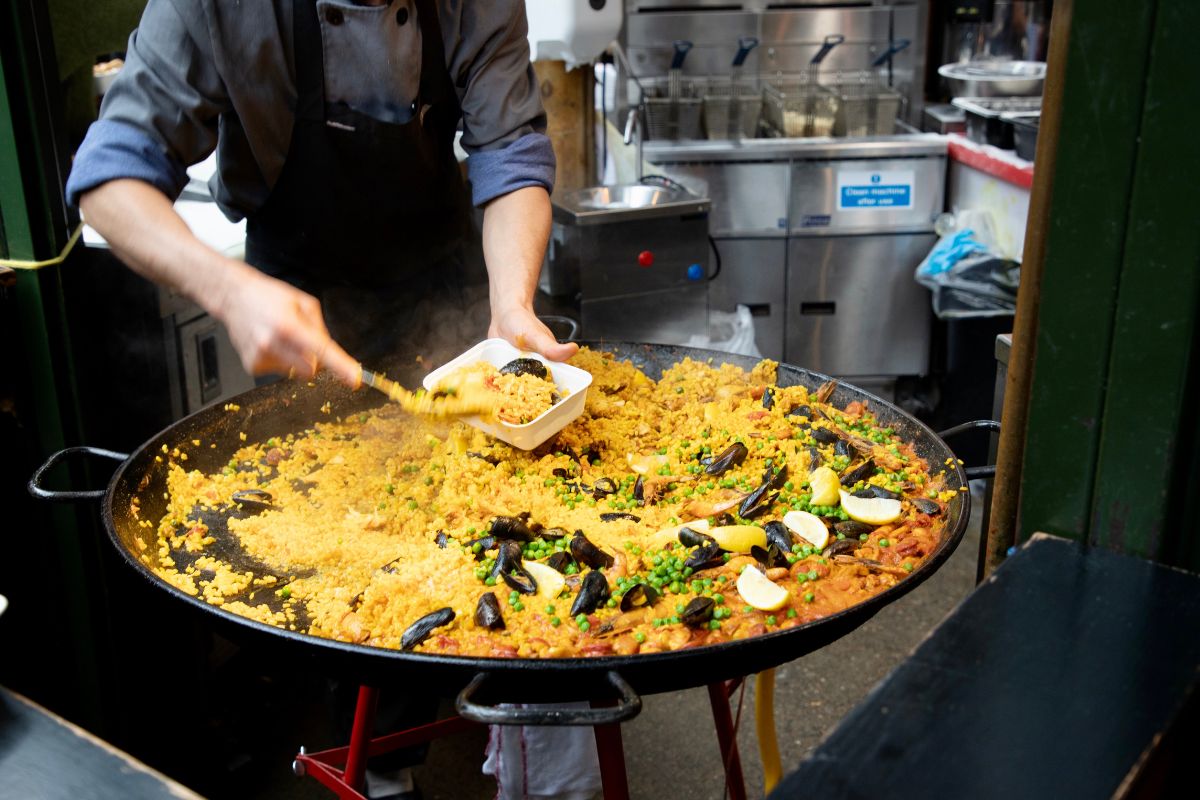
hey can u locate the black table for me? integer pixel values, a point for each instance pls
(1070, 673)
(45, 757)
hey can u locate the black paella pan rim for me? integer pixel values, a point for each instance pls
(549, 680)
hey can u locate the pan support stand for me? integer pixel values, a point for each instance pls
(342, 769)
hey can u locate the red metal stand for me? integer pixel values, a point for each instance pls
(341, 769)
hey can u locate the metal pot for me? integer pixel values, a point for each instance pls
(289, 406)
(994, 78)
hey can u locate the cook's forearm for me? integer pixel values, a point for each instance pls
(516, 227)
(141, 226)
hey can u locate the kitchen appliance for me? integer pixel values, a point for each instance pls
(820, 238)
(287, 406)
(634, 258)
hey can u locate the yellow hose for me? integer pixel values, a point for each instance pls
(764, 723)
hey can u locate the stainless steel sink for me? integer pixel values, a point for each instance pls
(598, 205)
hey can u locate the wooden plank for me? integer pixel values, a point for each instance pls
(1102, 101)
(567, 97)
(1150, 398)
(1058, 678)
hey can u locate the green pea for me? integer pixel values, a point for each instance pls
(639, 637)
(555, 621)
(808, 598)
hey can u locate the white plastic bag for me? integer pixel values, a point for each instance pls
(729, 332)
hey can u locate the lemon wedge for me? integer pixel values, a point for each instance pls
(549, 580)
(646, 464)
(825, 485)
(808, 527)
(871, 510)
(759, 591)
(739, 538)
(660, 539)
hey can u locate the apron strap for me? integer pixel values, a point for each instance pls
(308, 53)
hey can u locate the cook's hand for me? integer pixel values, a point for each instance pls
(276, 328)
(521, 328)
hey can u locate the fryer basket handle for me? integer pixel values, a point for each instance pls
(626, 707)
(69, 496)
(988, 471)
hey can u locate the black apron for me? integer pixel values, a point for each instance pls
(373, 217)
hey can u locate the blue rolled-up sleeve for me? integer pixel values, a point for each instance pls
(113, 150)
(527, 161)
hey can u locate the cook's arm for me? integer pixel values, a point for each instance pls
(516, 227)
(275, 327)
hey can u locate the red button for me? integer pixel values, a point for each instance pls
(645, 258)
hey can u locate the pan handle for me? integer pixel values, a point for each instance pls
(986, 424)
(35, 483)
(626, 707)
(831, 41)
(895, 48)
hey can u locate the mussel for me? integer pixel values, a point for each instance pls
(871, 490)
(842, 448)
(560, 561)
(926, 506)
(824, 435)
(509, 567)
(860, 473)
(525, 366)
(728, 458)
(706, 556)
(772, 556)
(488, 457)
(588, 554)
(592, 593)
(691, 538)
(511, 528)
(253, 500)
(698, 612)
(761, 498)
(814, 458)
(553, 534)
(800, 411)
(638, 595)
(441, 539)
(841, 547)
(485, 543)
(639, 489)
(768, 400)
(613, 516)
(852, 528)
(603, 487)
(419, 631)
(487, 612)
(779, 535)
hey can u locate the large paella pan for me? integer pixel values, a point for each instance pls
(719, 452)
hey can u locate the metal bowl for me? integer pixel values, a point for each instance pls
(994, 78)
(625, 202)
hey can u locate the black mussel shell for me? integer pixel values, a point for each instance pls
(814, 458)
(706, 556)
(728, 458)
(770, 557)
(926, 506)
(852, 528)
(824, 435)
(768, 400)
(441, 539)
(871, 490)
(518, 578)
(588, 554)
(841, 547)
(779, 535)
(800, 411)
(488, 457)
(698, 612)
(390, 567)
(693, 538)
(859, 473)
(758, 501)
(613, 516)
(603, 487)
(512, 528)
(419, 631)
(553, 534)
(639, 489)
(487, 612)
(640, 594)
(842, 448)
(487, 542)
(592, 593)
(560, 561)
(509, 567)
(525, 366)
(253, 500)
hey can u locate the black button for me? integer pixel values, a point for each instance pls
(597, 5)
(334, 16)
(402, 16)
